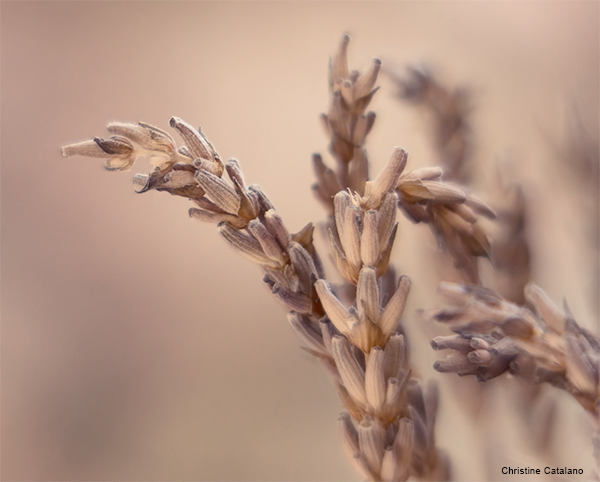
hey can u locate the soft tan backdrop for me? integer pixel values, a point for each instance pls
(135, 344)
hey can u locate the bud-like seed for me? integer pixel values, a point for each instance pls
(371, 439)
(219, 191)
(393, 311)
(267, 241)
(369, 241)
(246, 245)
(195, 142)
(386, 180)
(339, 63)
(307, 331)
(336, 312)
(366, 82)
(367, 295)
(375, 385)
(350, 370)
(293, 300)
(304, 266)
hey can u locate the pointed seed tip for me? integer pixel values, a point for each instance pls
(322, 282)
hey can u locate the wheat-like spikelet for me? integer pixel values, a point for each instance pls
(355, 329)
(362, 257)
(448, 209)
(392, 435)
(394, 414)
(494, 336)
(375, 387)
(451, 213)
(449, 113)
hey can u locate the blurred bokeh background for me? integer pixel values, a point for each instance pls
(135, 344)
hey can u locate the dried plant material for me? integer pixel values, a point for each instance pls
(119, 152)
(148, 137)
(360, 346)
(309, 333)
(386, 180)
(375, 382)
(422, 195)
(349, 435)
(353, 375)
(217, 218)
(374, 391)
(511, 254)
(449, 110)
(219, 191)
(195, 142)
(355, 329)
(495, 336)
(247, 245)
(369, 240)
(348, 126)
(448, 210)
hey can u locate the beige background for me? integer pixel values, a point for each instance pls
(135, 344)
